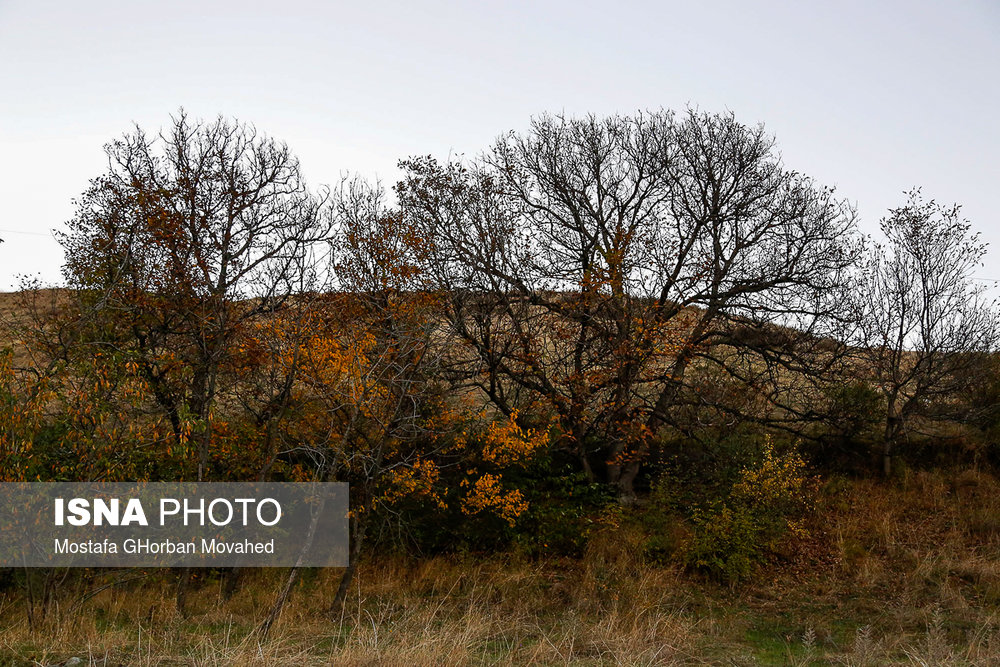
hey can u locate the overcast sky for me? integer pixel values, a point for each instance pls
(871, 97)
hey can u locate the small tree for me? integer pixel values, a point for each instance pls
(925, 324)
(366, 368)
(188, 237)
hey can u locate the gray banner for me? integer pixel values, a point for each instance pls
(159, 524)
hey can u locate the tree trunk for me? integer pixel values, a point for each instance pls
(231, 582)
(293, 575)
(279, 604)
(622, 474)
(892, 433)
(337, 606)
(887, 458)
(626, 482)
(183, 582)
(892, 430)
(587, 469)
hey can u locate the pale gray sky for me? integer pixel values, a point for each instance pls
(873, 97)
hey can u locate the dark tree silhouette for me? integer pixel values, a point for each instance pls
(591, 262)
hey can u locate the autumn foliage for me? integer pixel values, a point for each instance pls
(511, 352)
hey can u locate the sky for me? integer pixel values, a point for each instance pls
(871, 97)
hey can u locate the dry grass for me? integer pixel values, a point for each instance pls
(436, 612)
(907, 573)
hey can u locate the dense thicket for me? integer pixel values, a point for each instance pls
(502, 349)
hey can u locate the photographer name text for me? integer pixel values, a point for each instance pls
(145, 546)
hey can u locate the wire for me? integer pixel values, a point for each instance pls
(17, 231)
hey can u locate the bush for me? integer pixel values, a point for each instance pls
(852, 416)
(733, 533)
(726, 542)
(565, 509)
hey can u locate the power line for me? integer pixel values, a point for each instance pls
(17, 231)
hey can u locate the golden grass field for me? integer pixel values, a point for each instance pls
(904, 572)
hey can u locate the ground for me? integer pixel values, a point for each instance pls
(902, 572)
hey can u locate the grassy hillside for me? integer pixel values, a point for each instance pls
(871, 572)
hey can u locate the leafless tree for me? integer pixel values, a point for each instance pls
(591, 262)
(924, 323)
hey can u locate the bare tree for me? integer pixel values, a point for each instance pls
(925, 325)
(592, 261)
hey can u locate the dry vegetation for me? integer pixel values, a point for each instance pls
(906, 573)
(586, 371)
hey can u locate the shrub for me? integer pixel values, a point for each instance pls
(733, 533)
(565, 510)
(726, 542)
